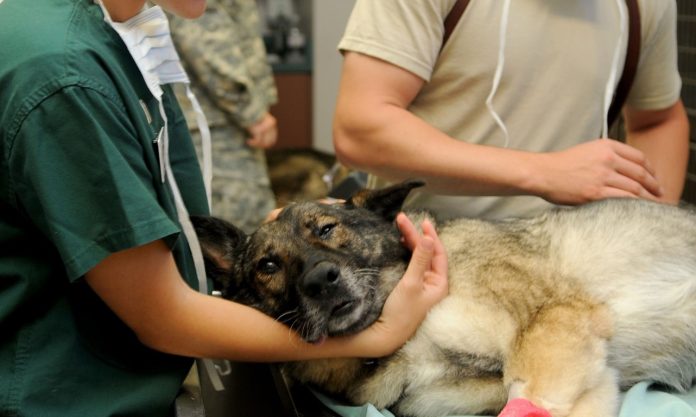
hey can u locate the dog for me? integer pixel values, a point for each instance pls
(564, 309)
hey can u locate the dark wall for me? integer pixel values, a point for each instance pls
(686, 37)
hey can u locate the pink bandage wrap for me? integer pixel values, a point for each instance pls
(520, 407)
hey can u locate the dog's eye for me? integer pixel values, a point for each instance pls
(267, 266)
(325, 231)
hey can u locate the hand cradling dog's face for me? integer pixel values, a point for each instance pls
(323, 270)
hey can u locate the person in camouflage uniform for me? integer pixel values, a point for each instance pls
(226, 60)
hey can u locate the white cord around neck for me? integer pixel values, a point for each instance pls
(499, 72)
(613, 75)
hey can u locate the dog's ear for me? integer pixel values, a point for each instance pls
(218, 240)
(386, 202)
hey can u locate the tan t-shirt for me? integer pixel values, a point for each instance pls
(558, 56)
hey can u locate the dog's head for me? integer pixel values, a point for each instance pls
(323, 269)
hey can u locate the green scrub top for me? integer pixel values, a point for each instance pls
(79, 180)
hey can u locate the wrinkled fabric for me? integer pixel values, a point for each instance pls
(454, 95)
(79, 181)
(226, 60)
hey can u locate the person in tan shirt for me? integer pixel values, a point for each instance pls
(406, 109)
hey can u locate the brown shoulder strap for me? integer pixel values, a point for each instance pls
(630, 64)
(452, 19)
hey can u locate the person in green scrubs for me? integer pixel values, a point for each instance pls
(100, 313)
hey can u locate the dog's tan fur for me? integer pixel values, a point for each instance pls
(563, 309)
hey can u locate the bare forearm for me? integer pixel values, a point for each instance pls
(398, 145)
(374, 131)
(143, 287)
(666, 146)
(215, 328)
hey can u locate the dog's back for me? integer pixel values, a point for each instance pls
(637, 258)
(640, 259)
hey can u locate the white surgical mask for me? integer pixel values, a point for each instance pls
(149, 42)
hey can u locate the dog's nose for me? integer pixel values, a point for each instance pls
(320, 281)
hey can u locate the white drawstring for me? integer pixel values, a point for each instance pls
(148, 40)
(206, 144)
(192, 239)
(611, 82)
(609, 88)
(499, 72)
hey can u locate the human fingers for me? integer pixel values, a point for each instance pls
(427, 271)
(275, 212)
(407, 305)
(637, 179)
(409, 233)
(632, 154)
(429, 230)
(437, 270)
(625, 187)
(421, 261)
(264, 133)
(331, 200)
(437, 273)
(255, 141)
(439, 261)
(272, 215)
(420, 288)
(596, 170)
(262, 140)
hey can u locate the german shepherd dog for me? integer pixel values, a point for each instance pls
(563, 309)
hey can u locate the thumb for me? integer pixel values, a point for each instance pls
(421, 261)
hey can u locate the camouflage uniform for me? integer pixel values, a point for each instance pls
(226, 60)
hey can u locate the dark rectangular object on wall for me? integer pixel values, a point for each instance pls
(293, 110)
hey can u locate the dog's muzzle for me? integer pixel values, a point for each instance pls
(322, 285)
(320, 281)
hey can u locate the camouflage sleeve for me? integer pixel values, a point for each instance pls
(225, 56)
(248, 18)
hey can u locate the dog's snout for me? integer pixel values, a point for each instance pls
(320, 280)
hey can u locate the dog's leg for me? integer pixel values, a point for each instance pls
(559, 358)
(603, 396)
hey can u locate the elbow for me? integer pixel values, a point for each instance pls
(353, 144)
(163, 337)
(173, 326)
(163, 342)
(154, 340)
(345, 148)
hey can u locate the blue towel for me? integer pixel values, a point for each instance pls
(640, 401)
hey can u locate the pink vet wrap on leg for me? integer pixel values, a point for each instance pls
(520, 407)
